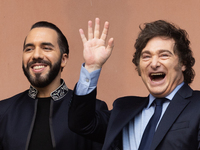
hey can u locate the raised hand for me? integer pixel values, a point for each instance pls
(95, 53)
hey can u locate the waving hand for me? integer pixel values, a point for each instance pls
(95, 52)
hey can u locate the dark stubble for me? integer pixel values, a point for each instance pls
(38, 80)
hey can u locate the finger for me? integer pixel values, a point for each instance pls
(110, 45)
(90, 32)
(82, 36)
(96, 29)
(105, 31)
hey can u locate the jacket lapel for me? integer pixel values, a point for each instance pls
(124, 109)
(176, 106)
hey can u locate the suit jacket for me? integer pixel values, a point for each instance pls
(177, 130)
(17, 116)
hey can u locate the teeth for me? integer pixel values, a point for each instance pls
(38, 67)
(156, 74)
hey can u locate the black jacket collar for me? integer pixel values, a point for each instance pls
(57, 94)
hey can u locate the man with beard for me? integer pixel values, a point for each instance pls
(37, 119)
(166, 119)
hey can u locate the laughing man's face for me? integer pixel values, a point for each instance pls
(159, 66)
(41, 57)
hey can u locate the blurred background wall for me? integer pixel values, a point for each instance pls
(118, 77)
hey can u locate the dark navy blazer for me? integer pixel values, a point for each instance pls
(179, 128)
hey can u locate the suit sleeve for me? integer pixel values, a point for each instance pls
(89, 116)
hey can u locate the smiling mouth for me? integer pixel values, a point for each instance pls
(157, 76)
(38, 67)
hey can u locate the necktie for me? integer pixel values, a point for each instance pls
(151, 126)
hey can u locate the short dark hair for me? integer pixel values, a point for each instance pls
(161, 28)
(62, 41)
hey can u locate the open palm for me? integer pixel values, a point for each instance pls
(95, 53)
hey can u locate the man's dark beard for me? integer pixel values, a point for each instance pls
(39, 81)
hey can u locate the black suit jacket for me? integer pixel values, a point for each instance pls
(177, 130)
(17, 115)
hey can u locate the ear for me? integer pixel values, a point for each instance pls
(64, 60)
(183, 68)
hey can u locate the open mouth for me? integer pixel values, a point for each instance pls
(38, 67)
(157, 76)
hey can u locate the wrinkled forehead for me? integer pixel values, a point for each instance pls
(157, 44)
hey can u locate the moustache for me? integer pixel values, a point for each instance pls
(38, 61)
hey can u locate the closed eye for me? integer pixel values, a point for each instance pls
(28, 49)
(165, 54)
(146, 56)
(47, 48)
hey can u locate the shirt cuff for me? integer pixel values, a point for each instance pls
(87, 81)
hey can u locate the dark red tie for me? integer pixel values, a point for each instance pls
(149, 131)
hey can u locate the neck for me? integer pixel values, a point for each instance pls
(46, 91)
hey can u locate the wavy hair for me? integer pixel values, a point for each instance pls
(181, 48)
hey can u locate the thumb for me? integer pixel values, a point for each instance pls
(110, 44)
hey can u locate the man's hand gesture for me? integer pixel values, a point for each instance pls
(95, 53)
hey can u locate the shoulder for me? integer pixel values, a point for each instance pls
(129, 100)
(10, 99)
(187, 92)
(196, 92)
(6, 103)
(101, 105)
(195, 96)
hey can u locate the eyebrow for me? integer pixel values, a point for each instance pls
(27, 45)
(160, 51)
(42, 44)
(47, 43)
(164, 50)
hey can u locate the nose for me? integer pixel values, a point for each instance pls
(155, 62)
(38, 54)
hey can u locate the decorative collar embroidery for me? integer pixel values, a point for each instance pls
(59, 93)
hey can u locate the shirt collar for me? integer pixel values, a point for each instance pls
(169, 97)
(57, 94)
